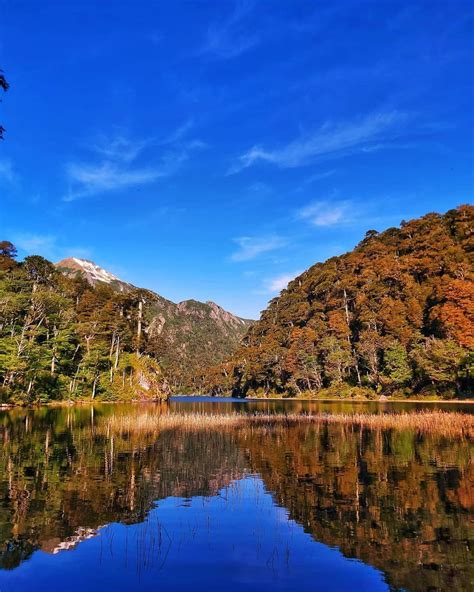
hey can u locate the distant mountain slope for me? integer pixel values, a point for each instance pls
(185, 337)
(395, 313)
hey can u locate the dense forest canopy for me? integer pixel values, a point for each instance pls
(64, 336)
(61, 338)
(185, 337)
(394, 315)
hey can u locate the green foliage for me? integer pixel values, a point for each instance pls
(60, 339)
(439, 361)
(397, 365)
(189, 337)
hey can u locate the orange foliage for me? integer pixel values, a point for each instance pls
(457, 313)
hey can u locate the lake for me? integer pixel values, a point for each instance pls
(303, 507)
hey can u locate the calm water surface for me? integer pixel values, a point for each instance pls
(302, 508)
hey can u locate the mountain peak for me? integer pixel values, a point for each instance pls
(92, 272)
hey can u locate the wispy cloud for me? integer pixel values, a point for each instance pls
(35, 244)
(115, 165)
(260, 187)
(314, 179)
(119, 147)
(319, 176)
(179, 133)
(325, 213)
(230, 38)
(280, 282)
(252, 247)
(259, 191)
(329, 141)
(7, 172)
(47, 245)
(90, 179)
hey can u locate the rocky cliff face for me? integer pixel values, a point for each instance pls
(185, 337)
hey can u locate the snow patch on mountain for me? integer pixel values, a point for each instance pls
(97, 273)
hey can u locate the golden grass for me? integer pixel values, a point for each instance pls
(453, 425)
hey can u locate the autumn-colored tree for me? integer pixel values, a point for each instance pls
(456, 314)
(301, 362)
(7, 255)
(397, 311)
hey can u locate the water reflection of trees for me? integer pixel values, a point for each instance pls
(391, 499)
(59, 474)
(395, 500)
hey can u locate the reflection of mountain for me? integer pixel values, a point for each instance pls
(392, 500)
(60, 478)
(54, 546)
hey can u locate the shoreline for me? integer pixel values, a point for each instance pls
(9, 406)
(457, 401)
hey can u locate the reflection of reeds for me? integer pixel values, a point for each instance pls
(454, 425)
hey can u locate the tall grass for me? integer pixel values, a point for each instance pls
(452, 425)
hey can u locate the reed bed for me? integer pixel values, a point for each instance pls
(449, 424)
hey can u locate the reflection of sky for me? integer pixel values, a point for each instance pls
(239, 540)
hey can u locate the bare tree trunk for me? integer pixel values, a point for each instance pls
(356, 363)
(139, 327)
(94, 386)
(117, 352)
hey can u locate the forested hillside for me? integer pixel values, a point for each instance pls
(61, 338)
(184, 337)
(395, 315)
(66, 337)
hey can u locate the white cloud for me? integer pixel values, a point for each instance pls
(35, 244)
(279, 283)
(119, 147)
(116, 167)
(179, 133)
(252, 247)
(313, 179)
(47, 246)
(230, 38)
(89, 179)
(325, 213)
(329, 141)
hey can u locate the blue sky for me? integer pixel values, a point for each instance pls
(214, 150)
